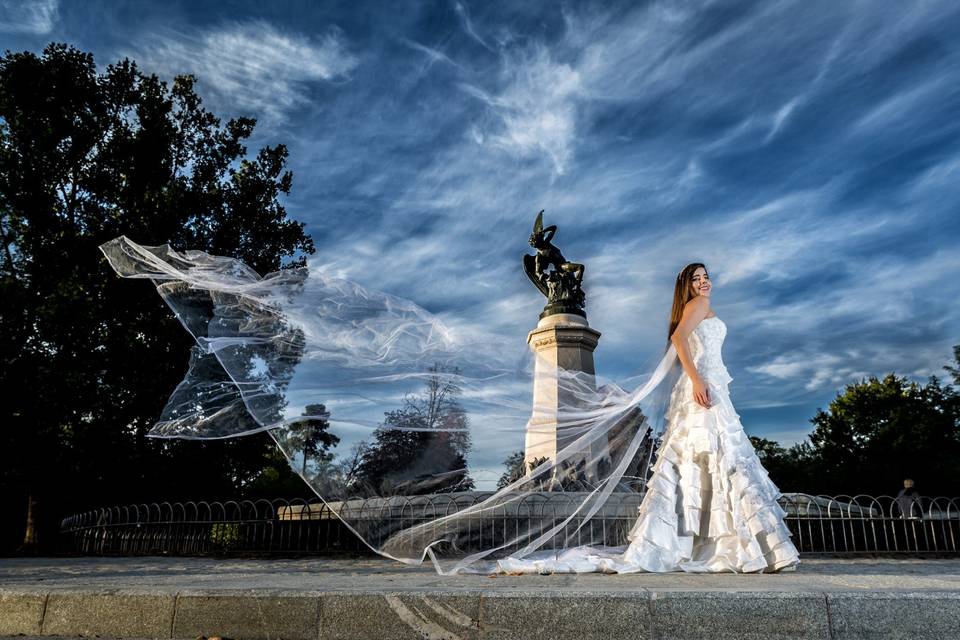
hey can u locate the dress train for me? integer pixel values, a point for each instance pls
(710, 506)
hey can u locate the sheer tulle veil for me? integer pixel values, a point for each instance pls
(401, 422)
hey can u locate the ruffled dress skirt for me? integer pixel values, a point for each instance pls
(710, 506)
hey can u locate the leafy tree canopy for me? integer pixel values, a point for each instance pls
(88, 359)
(872, 436)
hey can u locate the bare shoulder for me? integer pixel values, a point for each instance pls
(699, 304)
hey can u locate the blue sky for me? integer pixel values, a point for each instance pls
(808, 152)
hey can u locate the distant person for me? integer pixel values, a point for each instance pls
(909, 501)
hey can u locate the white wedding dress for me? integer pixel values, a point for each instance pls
(710, 505)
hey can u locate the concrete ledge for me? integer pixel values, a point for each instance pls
(504, 616)
(108, 614)
(740, 615)
(246, 615)
(183, 598)
(362, 616)
(885, 615)
(548, 616)
(21, 613)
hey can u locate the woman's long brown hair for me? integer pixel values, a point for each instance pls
(682, 294)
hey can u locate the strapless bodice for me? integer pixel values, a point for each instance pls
(706, 342)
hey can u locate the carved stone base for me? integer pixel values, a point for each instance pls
(565, 341)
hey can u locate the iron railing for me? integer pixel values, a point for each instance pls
(865, 525)
(845, 525)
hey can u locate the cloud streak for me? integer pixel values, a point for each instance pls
(810, 158)
(255, 67)
(37, 17)
(535, 112)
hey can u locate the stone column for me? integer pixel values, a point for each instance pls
(562, 340)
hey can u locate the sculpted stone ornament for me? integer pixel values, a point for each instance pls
(562, 341)
(561, 284)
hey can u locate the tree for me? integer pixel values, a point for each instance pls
(793, 470)
(421, 447)
(878, 432)
(87, 358)
(310, 439)
(513, 469)
(954, 370)
(276, 478)
(874, 434)
(346, 477)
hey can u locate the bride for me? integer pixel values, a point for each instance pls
(709, 506)
(331, 370)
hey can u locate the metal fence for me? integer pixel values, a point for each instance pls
(846, 525)
(865, 525)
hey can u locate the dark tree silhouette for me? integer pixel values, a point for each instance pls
(793, 469)
(88, 359)
(954, 370)
(875, 433)
(513, 469)
(878, 432)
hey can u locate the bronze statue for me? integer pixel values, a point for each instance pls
(562, 284)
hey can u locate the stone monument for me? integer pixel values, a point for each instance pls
(562, 340)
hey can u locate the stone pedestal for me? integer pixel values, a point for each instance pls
(563, 340)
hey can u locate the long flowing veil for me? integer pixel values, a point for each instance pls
(399, 422)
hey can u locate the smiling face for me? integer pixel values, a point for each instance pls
(692, 281)
(700, 282)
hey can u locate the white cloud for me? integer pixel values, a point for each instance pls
(904, 109)
(660, 146)
(817, 369)
(544, 92)
(434, 55)
(468, 25)
(254, 67)
(537, 109)
(781, 116)
(28, 16)
(871, 306)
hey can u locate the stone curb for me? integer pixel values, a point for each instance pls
(466, 614)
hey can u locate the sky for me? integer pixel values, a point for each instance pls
(807, 152)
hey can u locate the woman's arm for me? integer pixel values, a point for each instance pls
(695, 311)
